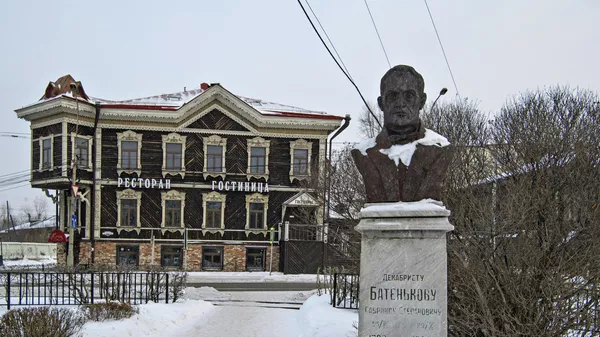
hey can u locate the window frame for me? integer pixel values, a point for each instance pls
(175, 196)
(129, 194)
(173, 138)
(213, 197)
(129, 136)
(215, 140)
(74, 149)
(258, 142)
(300, 144)
(222, 254)
(134, 249)
(257, 198)
(41, 162)
(264, 259)
(162, 255)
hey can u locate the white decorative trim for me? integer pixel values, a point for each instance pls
(98, 173)
(217, 197)
(173, 138)
(41, 140)
(257, 198)
(73, 148)
(129, 194)
(134, 137)
(97, 210)
(215, 141)
(300, 144)
(64, 147)
(258, 142)
(172, 195)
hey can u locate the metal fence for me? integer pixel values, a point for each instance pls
(345, 291)
(76, 288)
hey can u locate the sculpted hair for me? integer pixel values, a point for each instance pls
(402, 70)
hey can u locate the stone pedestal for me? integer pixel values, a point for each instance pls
(403, 270)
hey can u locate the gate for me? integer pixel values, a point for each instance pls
(302, 249)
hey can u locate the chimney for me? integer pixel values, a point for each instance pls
(204, 86)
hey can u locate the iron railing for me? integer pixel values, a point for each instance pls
(345, 291)
(76, 288)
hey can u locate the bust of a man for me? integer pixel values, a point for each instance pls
(405, 162)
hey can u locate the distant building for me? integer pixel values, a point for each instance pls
(201, 169)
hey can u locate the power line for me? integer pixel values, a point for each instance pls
(442, 46)
(377, 31)
(338, 64)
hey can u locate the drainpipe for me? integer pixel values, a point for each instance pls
(326, 193)
(93, 196)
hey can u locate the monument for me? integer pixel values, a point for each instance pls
(403, 265)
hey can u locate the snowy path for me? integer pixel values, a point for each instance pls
(226, 321)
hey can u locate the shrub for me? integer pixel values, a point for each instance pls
(41, 322)
(109, 310)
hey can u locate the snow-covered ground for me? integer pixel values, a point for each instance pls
(225, 277)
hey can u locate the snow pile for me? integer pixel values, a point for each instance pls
(404, 153)
(204, 293)
(407, 206)
(317, 318)
(30, 263)
(154, 319)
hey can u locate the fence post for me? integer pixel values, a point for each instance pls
(167, 291)
(334, 295)
(92, 296)
(8, 291)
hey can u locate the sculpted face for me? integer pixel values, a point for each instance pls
(401, 100)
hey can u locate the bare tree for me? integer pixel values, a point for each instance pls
(40, 207)
(367, 124)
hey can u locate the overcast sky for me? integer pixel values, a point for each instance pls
(267, 49)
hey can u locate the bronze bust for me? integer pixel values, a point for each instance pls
(420, 174)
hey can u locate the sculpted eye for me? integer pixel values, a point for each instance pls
(409, 96)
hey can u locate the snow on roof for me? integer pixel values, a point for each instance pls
(46, 223)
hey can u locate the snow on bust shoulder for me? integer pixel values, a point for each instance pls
(404, 152)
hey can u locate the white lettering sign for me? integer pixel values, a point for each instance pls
(241, 186)
(144, 183)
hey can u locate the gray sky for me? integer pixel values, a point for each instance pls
(267, 49)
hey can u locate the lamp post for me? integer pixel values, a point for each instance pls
(1, 252)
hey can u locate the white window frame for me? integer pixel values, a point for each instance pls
(256, 198)
(216, 141)
(172, 195)
(173, 138)
(216, 197)
(131, 137)
(89, 139)
(300, 144)
(41, 163)
(129, 194)
(258, 142)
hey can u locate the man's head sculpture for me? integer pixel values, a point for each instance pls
(386, 179)
(402, 97)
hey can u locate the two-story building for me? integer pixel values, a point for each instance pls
(195, 179)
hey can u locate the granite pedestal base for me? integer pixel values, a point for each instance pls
(403, 270)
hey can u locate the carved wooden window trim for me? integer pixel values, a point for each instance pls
(257, 198)
(173, 138)
(300, 144)
(41, 163)
(214, 197)
(129, 194)
(89, 139)
(215, 141)
(258, 142)
(172, 195)
(132, 137)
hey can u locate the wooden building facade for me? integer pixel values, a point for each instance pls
(197, 179)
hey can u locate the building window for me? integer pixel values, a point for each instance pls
(129, 152)
(171, 256)
(81, 150)
(212, 258)
(214, 156)
(255, 259)
(173, 154)
(128, 255)
(300, 151)
(128, 209)
(173, 204)
(46, 150)
(256, 210)
(214, 211)
(258, 157)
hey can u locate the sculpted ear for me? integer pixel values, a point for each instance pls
(423, 100)
(379, 102)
